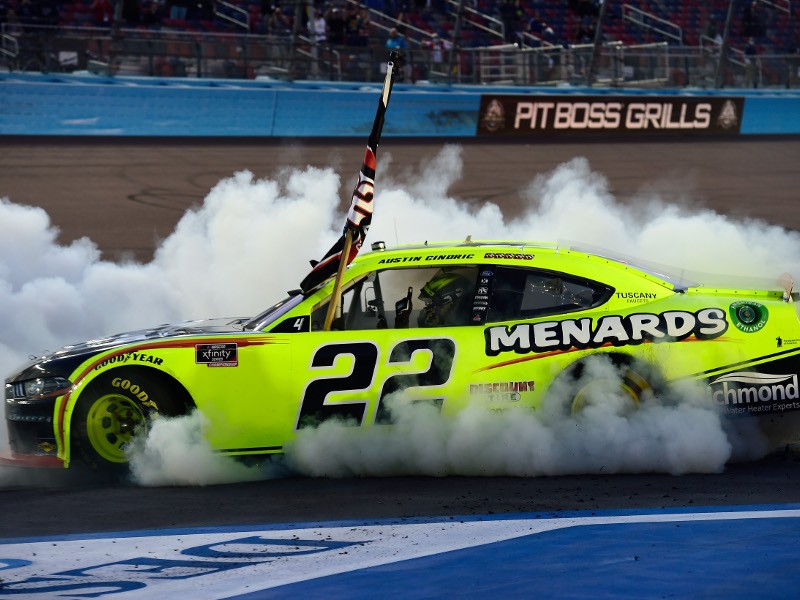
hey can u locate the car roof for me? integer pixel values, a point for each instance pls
(519, 253)
(673, 277)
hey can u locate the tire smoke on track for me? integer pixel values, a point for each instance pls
(252, 238)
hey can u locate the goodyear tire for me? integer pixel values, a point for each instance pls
(116, 407)
(635, 381)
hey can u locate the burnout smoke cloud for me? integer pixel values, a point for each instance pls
(251, 241)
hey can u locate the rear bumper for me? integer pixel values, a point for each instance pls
(35, 461)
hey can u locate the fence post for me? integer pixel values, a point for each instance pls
(723, 51)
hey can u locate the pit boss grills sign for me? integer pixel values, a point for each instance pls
(654, 115)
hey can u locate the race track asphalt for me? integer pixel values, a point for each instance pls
(127, 195)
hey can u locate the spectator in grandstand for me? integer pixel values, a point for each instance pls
(200, 10)
(358, 26)
(317, 27)
(336, 19)
(437, 47)
(511, 14)
(152, 15)
(102, 13)
(751, 20)
(178, 10)
(540, 30)
(712, 32)
(585, 31)
(395, 41)
(276, 22)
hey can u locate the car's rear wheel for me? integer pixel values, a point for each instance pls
(630, 381)
(116, 407)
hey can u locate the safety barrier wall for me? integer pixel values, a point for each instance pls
(88, 105)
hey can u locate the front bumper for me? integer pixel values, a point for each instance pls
(10, 458)
(31, 435)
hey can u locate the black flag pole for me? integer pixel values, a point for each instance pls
(359, 216)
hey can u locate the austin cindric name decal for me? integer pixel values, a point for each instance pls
(547, 336)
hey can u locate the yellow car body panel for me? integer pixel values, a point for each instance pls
(258, 382)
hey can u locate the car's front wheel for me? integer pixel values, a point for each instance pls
(116, 407)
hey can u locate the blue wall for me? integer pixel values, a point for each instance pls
(33, 104)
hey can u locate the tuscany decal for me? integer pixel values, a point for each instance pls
(526, 115)
(748, 392)
(548, 336)
(749, 317)
(636, 297)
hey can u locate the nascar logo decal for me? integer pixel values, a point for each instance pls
(547, 336)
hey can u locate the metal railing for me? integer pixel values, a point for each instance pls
(232, 14)
(492, 26)
(174, 53)
(652, 22)
(9, 48)
(781, 5)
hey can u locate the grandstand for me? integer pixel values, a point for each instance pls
(707, 43)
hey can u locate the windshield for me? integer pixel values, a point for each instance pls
(274, 312)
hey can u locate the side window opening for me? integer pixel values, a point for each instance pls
(405, 298)
(525, 293)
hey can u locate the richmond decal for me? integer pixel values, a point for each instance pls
(748, 392)
(547, 336)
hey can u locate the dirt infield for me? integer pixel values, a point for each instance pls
(126, 195)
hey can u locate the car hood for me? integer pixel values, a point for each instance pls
(201, 327)
(61, 362)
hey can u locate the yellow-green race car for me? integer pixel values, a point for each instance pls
(493, 323)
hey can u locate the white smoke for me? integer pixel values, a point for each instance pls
(251, 240)
(676, 434)
(176, 452)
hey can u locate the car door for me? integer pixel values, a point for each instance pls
(394, 342)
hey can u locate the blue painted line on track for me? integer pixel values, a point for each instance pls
(751, 559)
(688, 552)
(745, 558)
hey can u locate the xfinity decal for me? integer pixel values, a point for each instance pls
(217, 355)
(548, 336)
(746, 391)
(749, 316)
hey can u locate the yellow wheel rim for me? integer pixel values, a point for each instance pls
(111, 423)
(628, 387)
